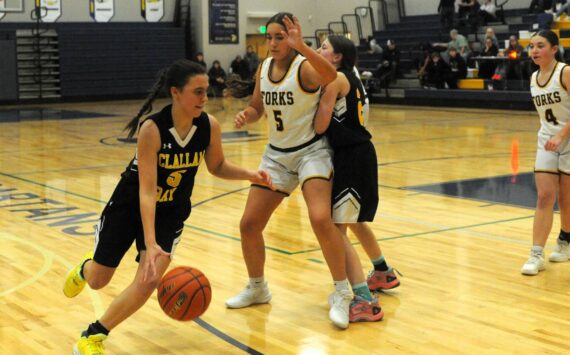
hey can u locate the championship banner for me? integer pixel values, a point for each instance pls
(102, 10)
(2, 7)
(223, 22)
(49, 10)
(152, 10)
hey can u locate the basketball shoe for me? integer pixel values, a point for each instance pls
(90, 345)
(561, 252)
(249, 296)
(362, 310)
(340, 307)
(74, 283)
(534, 264)
(383, 280)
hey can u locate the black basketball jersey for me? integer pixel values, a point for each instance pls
(177, 165)
(347, 123)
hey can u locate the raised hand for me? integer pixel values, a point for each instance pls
(293, 35)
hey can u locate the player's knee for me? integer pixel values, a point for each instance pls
(249, 225)
(97, 282)
(320, 221)
(149, 285)
(546, 199)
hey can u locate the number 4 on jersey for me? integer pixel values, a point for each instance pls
(549, 116)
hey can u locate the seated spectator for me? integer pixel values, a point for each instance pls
(458, 68)
(446, 10)
(373, 46)
(389, 68)
(490, 33)
(514, 52)
(487, 12)
(487, 67)
(200, 60)
(240, 67)
(217, 78)
(499, 76)
(459, 42)
(436, 72)
(540, 6)
(464, 8)
(252, 61)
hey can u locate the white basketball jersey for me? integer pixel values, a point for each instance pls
(551, 101)
(290, 108)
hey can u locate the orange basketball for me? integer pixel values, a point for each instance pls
(184, 293)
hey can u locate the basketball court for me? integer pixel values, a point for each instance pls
(455, 219)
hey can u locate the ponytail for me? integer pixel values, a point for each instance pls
(146, 108)
(176, 75)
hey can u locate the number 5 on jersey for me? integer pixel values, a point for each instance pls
(278, 120)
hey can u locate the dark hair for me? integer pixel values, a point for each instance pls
(346, 47)
(177, 75)
(552, 38)
(278, 19)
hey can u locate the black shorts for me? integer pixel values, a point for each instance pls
(355, 184)
(121, 224)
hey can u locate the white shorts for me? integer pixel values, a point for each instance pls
(289, 169)
(552, 162)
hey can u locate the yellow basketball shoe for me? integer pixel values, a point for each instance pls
(74, 283)
(90, 345)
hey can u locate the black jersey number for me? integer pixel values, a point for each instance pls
(549, 116)
(278, 120)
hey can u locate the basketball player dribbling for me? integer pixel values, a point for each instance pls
(152, 199)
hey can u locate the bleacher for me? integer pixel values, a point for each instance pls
(412, 31)
(82, 61)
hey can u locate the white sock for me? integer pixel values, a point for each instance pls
(256, 282)
(342, 285)
(537, 249)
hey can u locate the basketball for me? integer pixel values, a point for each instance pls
(184, 293)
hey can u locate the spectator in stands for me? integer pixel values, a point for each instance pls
(464, 9)
(459, 42)
(487, 12)
(540, 6)
(217, 78)
(500, 74)
(487, 67)
(437, 71)
(373, 46)
(469, 10)
(446, 10)
(458, 68)
(388, 70)
(514, 52)
(240, 67)
(252, 61)
(200, 60)
(490, 33)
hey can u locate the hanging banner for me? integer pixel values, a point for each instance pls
(152, 10)
(224, 22)
(49, 10)
(102, 10)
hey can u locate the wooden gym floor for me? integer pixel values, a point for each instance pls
(455, 218)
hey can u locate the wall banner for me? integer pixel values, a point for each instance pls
(152, 10)
(102, 10)
(223, 22)
(49, 10)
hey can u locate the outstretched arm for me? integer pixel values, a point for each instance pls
(220, 167)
